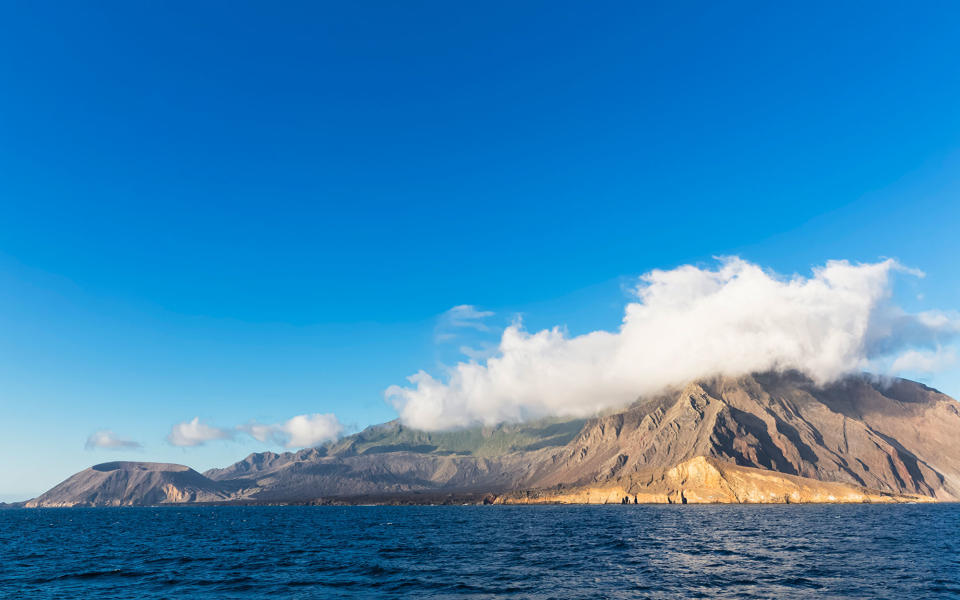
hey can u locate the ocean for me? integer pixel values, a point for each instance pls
(635, 551)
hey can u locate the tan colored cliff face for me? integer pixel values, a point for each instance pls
(704, 480)
(898, 438)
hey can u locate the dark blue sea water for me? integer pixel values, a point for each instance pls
(789, 551)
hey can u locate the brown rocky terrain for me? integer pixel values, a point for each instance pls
(894, 437)
(758, 438)
(132, 484)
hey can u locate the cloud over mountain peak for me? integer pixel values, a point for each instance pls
(687, 323)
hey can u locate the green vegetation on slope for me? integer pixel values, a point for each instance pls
(475, 441)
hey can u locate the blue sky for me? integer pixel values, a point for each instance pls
(239, 211)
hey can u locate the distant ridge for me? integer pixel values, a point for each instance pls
(772, 437)
(132, 484)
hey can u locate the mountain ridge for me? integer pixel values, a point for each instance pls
(879, 440)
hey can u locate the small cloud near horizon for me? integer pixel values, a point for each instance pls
(104, 438)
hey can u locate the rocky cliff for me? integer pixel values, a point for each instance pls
(704, 480)
(759, 438)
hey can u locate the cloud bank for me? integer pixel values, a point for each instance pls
(105, 438)
(301, 431)
(195, 433)
(688, 323)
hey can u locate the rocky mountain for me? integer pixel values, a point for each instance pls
(896, 437)
(132, 484)
(760, 438)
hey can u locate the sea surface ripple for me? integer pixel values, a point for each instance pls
(900, 552)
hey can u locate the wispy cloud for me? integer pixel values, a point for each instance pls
(924, 361)
(195, 433)
(105, 438)
(458, 318)
(687, 323)
(299, 432)
(483, 352)
(467, 315)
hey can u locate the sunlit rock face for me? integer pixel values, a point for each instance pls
(770, 437)
(704, 480)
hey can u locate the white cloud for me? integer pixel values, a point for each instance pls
(924, 361)
(299, 432)
(687, 323)
(260, 432)
(195, 433)
(467, 315)
(461, 317)
(105, 438)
